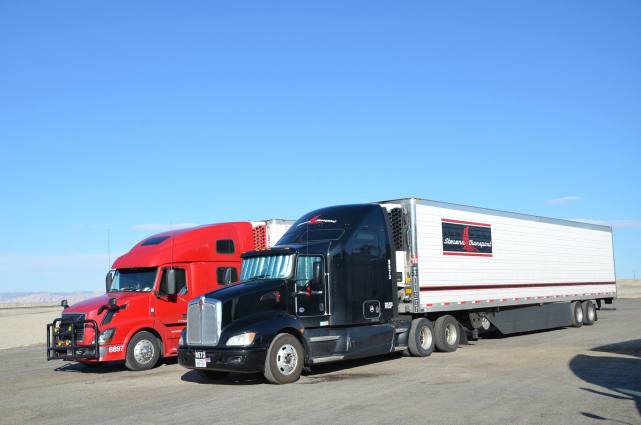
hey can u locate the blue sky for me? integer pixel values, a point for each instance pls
(131, 116)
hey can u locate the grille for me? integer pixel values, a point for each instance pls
(74, 317)
(194, 324)
(203, 323)
(396, 222)
(260, 237)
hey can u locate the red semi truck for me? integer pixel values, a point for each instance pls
(143, 312)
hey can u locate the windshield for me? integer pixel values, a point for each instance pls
(266, 267)
(133, 280)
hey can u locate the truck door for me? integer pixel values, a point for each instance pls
(170, 310)
(368, 272)
(310, 300)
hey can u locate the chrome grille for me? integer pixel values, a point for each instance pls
(203, 322)
(210, 326)
(194, 324)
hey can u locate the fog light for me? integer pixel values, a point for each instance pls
(235, 360)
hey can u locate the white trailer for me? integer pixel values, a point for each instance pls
(454, 257)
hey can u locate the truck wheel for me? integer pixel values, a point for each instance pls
(212, 375)
(284, 360)
(447, 332)
(143, 351)
(420, 342)
(589, 313)
(577, 314)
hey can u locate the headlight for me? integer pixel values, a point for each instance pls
(242, 339)
(181, 341)
(105, 336)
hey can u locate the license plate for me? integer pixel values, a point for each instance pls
(199, 357)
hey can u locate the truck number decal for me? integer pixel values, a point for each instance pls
(116, 348)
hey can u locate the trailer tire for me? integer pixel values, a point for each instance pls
(448, 334)
(576, 311)
(143, 351)
(420, 341)
(284, 359)
(589, 313)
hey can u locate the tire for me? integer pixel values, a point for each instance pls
(284, 360)
(589, 313)
(576, 312)
(143, 351)
(448, 334)
(212, 375)
(420, 342)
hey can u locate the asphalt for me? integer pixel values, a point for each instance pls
(569, 376)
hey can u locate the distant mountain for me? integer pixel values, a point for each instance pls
(43, 298)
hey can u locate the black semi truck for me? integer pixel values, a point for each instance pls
(346, 282)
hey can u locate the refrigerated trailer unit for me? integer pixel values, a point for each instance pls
(406, 275)
(453, 257)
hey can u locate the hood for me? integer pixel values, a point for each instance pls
(246, 288)
(91, 306)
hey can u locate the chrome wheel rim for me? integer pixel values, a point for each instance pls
(591, 312)
(425, 338)
(143, 351)
(450, 334)
(286, 359)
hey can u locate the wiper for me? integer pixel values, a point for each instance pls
(260, 276)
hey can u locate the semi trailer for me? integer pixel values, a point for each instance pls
(140, 317)
(408, 275)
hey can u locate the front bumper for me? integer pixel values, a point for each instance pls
(245, 360)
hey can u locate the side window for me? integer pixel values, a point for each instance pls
(181, 282)
(225, 246)
(220, 274)
(305, 270)
(310, 301)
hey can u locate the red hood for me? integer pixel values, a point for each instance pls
(90, 306)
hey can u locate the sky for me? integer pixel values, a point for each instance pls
(122, 119)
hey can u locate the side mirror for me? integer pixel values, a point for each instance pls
(64, 304)
(317, 276)
(109, 280)
(227, 276)
(171, 281)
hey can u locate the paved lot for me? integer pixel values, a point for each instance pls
(569, 376)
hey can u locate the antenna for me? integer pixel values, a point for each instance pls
(108, 248)
(172, 253)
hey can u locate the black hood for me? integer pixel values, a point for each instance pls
(246, 288)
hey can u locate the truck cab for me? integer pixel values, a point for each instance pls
(140, 317)
(324, 293)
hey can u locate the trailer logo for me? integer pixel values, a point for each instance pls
(466, 238)
(317, 220)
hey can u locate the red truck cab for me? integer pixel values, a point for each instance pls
(143, 312)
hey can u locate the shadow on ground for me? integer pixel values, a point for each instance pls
(318, 374)
(621, 376)
(105, 367)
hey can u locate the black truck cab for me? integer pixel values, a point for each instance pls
(324, 293)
